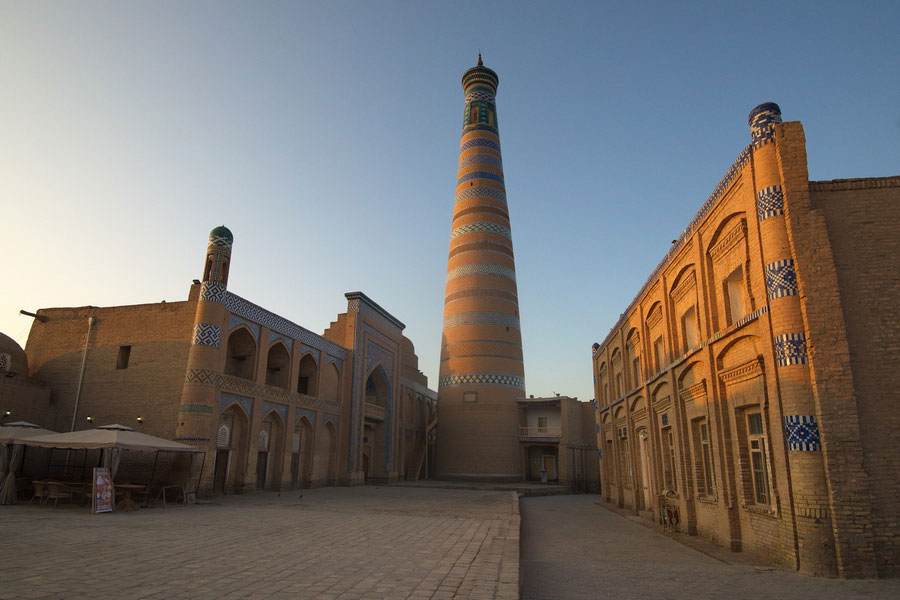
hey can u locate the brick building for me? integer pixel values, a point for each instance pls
(752, 381)
(272, 404)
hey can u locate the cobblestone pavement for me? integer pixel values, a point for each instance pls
(573, 548)
(362, 542)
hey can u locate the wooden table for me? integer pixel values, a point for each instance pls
(127, 502)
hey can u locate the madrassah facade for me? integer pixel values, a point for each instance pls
(271, 404)
(748, 393)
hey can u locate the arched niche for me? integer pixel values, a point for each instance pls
(240, 354)
(278, 366)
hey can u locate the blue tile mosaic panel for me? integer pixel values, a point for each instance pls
(206, 334)
(481, 159)
(480, 143)
(482, 379)
(484, 227)
(281, 409)
(781, 279)
(482, 269)
(213, 291)
(314, 351)
(480, 191)
(790, 349)
(479, 175)
(227, 399)
(309, 414)
(236, 321)
(770, 202)
(802, 433)
(482, 318)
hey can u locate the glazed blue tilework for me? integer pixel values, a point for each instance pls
(770, 202)
(479, 94)
(206, 334)
(333, 359)
(274, 337)
(790, 349)
(480, 143)
(802, 433)
(479, 175)
(239, 306)
(226, 399)
(482, 269)
(309, 414)
(357, 391)
(235, 321)
(315, 353)
(480, 228)
(781, 279)
(195, 408)
(213, 291)
(488, 160)
(480, 191)
(482, 379)
(220, 240)
(281, 409)
(482, 318)
(762, 125)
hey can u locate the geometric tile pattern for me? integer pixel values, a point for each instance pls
(480, 227)
(281, 409)
(762, 123)
(480, 94)
(790, 349)
(195, 408)
(481, 192)
(245, 387)
(770, 202)
(482, 269)
(376, 354)
(481, 318)
(309, 414)
(479, 175)
(781, 279)
(237, 305)
(220, 241)
(480, 143)
(337, 361)
(206, 334)
(802, 433)
(274, 337)
(481, 159)
(243, 401)
(482, 379)
(235, 320)
(315, 352)
(213, 291)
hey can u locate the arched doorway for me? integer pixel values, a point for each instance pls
(301, 453)
(268, 456)
(231, 449)
(377, 396)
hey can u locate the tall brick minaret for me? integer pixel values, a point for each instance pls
(481, 373)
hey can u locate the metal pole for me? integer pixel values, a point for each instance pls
(200, 478)
(87, 341)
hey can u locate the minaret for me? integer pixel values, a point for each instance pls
(481, 373)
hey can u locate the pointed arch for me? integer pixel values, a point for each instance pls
(240, 353)
(278, 365)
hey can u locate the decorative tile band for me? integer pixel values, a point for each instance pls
(802, 433)
(236, 321)
(781, 279)
(303, 412)
(206, 334)
(481, 191)
(762, 121)
(191, 439)
(790, 349)
(315, 352)
(482, 379)
(770, 202)
(246, 403)
(480, 94)
(481, 318)
(281, 409)
(483, 227)
(479, 175)
(481, 159)
(239, 385)
(213, 291)
(195, 408)
(479, 143)
(482, 269)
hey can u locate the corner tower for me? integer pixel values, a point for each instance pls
(481, 373)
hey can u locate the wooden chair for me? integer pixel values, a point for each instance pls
(58, 490)
(40, 491)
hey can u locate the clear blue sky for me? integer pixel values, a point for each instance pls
(325, 135)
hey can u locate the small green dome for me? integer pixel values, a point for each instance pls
(221, 236)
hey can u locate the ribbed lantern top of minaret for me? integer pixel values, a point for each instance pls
(480, 75)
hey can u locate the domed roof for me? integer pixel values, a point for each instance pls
(18, 362)
(221, 236)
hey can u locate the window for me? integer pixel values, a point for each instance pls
(758, 465)
(626, 462)
(620, 387)
(734, 293)
(606, 393)
(124, 355)
(702, 446)
(636, 367)
(671, 480)
(659, 354)
(542, 424)
(689, 329)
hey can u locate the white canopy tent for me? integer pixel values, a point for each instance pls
(12, 455)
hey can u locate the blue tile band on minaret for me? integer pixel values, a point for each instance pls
(206, 334)
(762, 121)
(790, 349)
(781, 279)
(770, 202)
(802, 433)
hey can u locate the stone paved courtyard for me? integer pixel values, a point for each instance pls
(369, 542)
(573, 548)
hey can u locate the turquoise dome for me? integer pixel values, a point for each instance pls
(221, 236)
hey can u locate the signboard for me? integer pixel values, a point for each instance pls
(102, 493)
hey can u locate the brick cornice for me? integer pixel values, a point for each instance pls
(748, 370)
